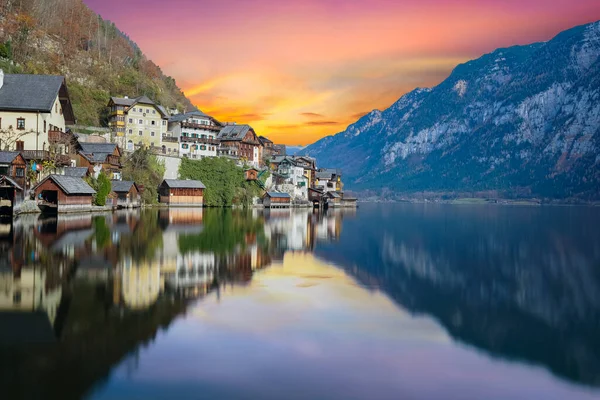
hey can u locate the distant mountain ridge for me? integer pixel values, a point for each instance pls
(522, 121)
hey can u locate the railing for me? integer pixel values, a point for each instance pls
(55, 137)
(200, 126)
(200, 140)
(171, 139)
(114, 160)
(45, 155)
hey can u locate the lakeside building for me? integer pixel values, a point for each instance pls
(137, 122)
(194, 135)
(181, 192)
(329, 180)
(34, 110)
(240, 142)
(58, 193)
(126, 194)
(98, 157)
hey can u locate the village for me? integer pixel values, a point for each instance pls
(46, 161)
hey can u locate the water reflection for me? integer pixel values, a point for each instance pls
(78, 293)
(82, 294)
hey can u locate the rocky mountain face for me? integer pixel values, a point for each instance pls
(522, 121)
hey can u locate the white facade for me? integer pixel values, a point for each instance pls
(32, 122)
(196, 134)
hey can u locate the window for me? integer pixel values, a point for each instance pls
(140, 133)
(153, 123)
(184, 146)
(140, 121)
(151, 133)
(164, 122)
(153, 111)
(131, 131)
(148, 110)
(55, 107)
(44, 126)
(131, 120)
(202, 147)
(20, 123)
(20, 172)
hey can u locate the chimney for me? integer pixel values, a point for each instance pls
(126, 97)
(1, 78)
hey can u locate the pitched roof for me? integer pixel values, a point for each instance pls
(127, 102)
(323, 175)
(278, 195)
(233, 132)
(10, 181)
(264, 139)
(78, 172)
(90, 148)
(25, 92)
(70, 184)
(334, 195)
(121, 186)
(7, 157)
(184, 184)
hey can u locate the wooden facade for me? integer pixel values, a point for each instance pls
(13, 165)
(181, 192)
(251, 174)
(63, 193)
(11, 194)
(273, 200)
(126, 194)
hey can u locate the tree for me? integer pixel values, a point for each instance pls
(225, 182)
(9, 137)
(102, 186)
(144, 168)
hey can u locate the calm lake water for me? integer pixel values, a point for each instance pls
(383, 302)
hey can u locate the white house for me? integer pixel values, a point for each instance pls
(31, 106)
(196, 134)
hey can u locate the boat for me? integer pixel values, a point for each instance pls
(47, 208)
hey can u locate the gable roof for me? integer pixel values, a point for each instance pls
(127, 102)
(78, 172)
(279, 195)
(7, 157)
(184, 184)
(122, 186)
(264, 139)
(69, 184)
(90, 148)
(25, 92)
(234, 132)
(12, 183)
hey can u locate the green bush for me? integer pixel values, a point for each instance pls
(225, 182)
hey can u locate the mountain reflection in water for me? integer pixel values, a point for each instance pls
(83, 296)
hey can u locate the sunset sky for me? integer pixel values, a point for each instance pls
(300, 70)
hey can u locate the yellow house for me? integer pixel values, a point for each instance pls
(137, 122)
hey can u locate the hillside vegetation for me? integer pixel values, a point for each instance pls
(65, 37)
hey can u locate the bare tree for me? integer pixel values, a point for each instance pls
(9, 137)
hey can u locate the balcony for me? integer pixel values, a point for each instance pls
(170, 139)
(58, 137)
(45, 155)
(201, 126)
(114, 160)
(187, 139)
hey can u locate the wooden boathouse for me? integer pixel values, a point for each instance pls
(61, 193)
(276, 200)
(11, 194)
(180, 192)
(126, 194)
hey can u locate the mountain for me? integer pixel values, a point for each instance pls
(65, 37)
(519, 122)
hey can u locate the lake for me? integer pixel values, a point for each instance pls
(390, 301)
